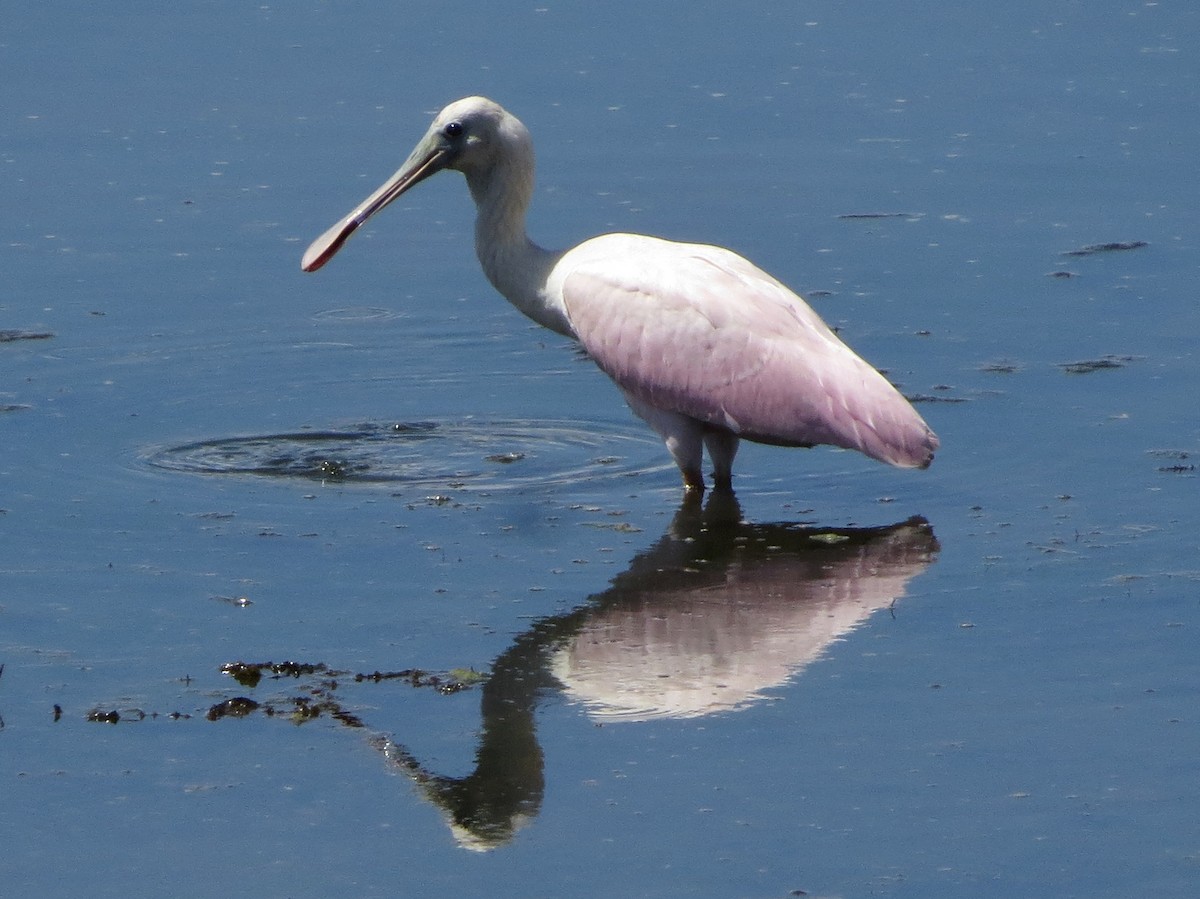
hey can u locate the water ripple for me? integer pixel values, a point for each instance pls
(357, 314)
(496, 455)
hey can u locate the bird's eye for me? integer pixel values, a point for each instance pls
(453, 129)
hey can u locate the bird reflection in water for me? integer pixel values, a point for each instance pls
(706, 620)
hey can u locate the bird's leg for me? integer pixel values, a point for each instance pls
(693, 480)
(687, 449)
(684, 437)
(722, 447)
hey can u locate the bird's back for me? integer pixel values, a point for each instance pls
(700, 330)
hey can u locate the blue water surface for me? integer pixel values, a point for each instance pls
(519, 664)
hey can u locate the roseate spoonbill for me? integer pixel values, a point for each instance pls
(706, 347)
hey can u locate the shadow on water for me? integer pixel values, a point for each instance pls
(475, 453)
(704, 621)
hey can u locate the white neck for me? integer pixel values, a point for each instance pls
(517, 267)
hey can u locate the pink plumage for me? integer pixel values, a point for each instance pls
(707, 348)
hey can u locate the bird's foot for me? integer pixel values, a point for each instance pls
(723, 481)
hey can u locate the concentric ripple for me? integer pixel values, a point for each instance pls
(495, 455)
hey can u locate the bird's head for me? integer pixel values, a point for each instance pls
(472, 136)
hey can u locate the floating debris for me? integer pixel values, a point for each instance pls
(1181, 465)
(621, 527)
(467, 675)
(1088, 366)
(315, 697)
(249, 674)
(305, 710)
(239, 601)
(1161, 453)
(10, 335)
(412, 675)
(455, 681)
(237, 707)
(1000, 368)
(933, 398)
(504, 458)
(332, 468)
(854, 216)
(1114, 247)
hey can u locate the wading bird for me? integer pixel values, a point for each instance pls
(706, 347)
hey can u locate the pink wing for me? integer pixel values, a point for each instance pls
(701, 331)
